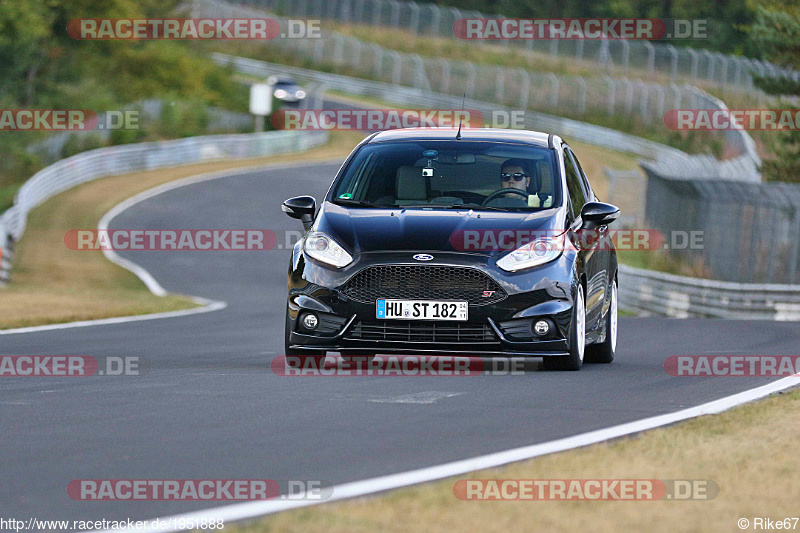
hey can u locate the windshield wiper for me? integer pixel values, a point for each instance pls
(474, 206)
(359, 203)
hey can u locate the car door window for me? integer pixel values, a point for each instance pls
(576, 194)
(587, 188)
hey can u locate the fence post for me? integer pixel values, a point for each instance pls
(723, 77)
(626, 53)
(471, 76)
(421, 78)
(628, 95)
(377, 7)
(436, 19)
(397, 70)
(651, 56)
(414, 17)
(525, 90)
(500, 84)
(394, 14)
(445, 66)
(378, 67)
(581, 95)
(710, 58)
(553, 90)
(358, 16)
(612, 94)
(338, 48)
(674, 60)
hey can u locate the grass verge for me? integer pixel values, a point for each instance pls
(757, 477)
(52, 284)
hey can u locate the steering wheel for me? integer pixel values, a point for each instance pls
(501, 192)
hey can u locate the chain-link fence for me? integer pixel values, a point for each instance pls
(94, 164)
(437, 21)
(567, 95)
(750, 230)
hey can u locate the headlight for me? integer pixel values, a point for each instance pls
(533, 254)
(280, 93)
(300, 94)
(325, 250)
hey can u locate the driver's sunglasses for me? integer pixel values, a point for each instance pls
(518, 176)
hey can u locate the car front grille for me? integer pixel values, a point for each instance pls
(413, 331)
(423, 282)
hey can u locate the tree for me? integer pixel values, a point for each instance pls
(776, 35)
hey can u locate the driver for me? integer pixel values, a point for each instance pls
(516, 174)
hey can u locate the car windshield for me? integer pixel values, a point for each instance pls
(450, 174)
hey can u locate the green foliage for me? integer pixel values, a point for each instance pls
(182, 119)
(41, 66)
(77, 143)
(776, 34)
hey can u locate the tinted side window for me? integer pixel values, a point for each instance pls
(586, 186)
(576, 195)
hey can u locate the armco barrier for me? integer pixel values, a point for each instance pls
(657, 293)
(94, 164)
(744, 167)
(637, 296)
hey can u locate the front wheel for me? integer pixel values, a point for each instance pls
(604, 352)
(577, 339)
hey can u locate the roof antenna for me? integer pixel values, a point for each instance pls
(461, 118)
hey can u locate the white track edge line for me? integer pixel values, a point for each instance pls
(243, 511)
(150, 282)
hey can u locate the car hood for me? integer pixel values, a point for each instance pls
(362, 230)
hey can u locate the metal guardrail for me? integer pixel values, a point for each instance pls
(219, 121)
(94, 164)
(743, 168)
(641, 290)
(658, 293)
(414, 97)
(515, 88)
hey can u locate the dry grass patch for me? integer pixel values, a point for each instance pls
(750, 452)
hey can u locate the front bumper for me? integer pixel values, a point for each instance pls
(501, 328)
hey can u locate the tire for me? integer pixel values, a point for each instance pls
(604, 352)
(577, 339)
(317, 356)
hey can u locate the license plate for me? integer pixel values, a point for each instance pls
(421, 310)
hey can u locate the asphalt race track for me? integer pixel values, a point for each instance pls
(209, 406)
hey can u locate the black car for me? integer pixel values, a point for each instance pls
(431, 241)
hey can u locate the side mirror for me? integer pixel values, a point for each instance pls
(302, 208)
(595, 214)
